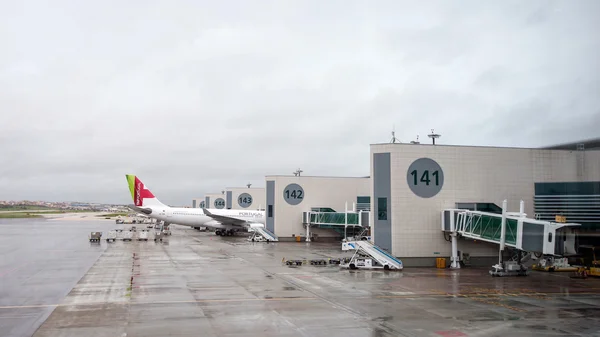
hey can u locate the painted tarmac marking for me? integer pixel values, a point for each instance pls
(477, 298)
(450, 333)
(494, 302)
(161, 302)
(30, 306)
(213, 288)
(54, 250)
(402, 293)
(10, 271)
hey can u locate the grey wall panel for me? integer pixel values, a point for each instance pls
(568, 188)
(228, 200)
(364, 219)
(270, 198)
(559, 242)
(207, 202)
(382, 226)
(447, 220)
(578, 201)
(194, 203)
(533, 237)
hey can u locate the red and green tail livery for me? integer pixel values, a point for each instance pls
(138, 191)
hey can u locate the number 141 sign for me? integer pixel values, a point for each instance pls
(425, 177)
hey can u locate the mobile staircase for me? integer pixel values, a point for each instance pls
(262, 234)
(369, 256)
(362, 236)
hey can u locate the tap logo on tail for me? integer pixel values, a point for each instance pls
(138, 191)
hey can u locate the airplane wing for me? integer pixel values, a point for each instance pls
(225, 219)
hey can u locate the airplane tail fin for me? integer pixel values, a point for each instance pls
(141, 195)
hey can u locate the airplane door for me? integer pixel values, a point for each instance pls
(169, 213)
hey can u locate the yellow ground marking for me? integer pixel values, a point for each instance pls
(473, 296)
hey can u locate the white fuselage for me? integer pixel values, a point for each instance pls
(195, 217)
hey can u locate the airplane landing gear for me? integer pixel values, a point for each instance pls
(230, 232)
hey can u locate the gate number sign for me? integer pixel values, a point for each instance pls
(245, 200)
(425, 177)
(293, 194)
(219, 203)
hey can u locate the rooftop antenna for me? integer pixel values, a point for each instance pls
(297, 172)
(248, 185)
(394, 139)
(415, 141)
(433, 136)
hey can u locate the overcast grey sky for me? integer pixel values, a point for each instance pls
(193, 96)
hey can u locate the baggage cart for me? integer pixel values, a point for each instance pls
(143, 235)
(95, 236)
(111, 236)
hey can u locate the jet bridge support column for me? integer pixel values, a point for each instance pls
(502, 232)
(307, 232)
(455, 264)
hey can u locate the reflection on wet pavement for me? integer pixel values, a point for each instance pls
(199, 284)
(40, 262)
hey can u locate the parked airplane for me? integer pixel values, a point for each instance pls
(225, 221)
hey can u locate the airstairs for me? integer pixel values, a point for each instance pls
(370, 256)
(265, 233)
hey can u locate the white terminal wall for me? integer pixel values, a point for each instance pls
(196, 202)
(232, 195)
(331, 192)
(210, 199)
(471, 174)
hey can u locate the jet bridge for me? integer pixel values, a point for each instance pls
(348, 223)
(522, 233)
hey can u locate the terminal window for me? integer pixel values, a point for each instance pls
(382, 208)
(270, 211)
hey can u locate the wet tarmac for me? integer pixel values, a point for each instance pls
(198, 284)
(40, 262)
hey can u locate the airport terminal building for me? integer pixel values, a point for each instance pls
(252, 198)
(319, 203)
(403, 203)
(413, 184)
